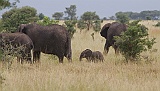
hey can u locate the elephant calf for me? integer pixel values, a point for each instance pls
(17, 44)
(91, 56)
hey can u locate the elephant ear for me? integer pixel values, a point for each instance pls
(104, 30)
(21, 28)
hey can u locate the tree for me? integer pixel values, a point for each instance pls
(134, 41)
(148, 18)
(112, 18)
(71, 12)
(70, 25)
(155, 14)
(7, 4)
(81, 25)
(47, 21)
(14, 17)
(57, 15)
(97, 25)
(89, 18)
(1, 27)
(41, 16)
(104, 18)
(123, 18)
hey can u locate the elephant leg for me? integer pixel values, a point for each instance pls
(101, 60)
(36, 56)
(29, 58)
(116, 49)
(60, 59)
(69, 59)
(23, 57)
(106, 48)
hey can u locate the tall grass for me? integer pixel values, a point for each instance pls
(111, 75)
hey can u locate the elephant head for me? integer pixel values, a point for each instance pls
(109, 31)
(104, 30)
(21, 28)
(86, 54)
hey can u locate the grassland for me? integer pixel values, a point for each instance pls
(111, 75)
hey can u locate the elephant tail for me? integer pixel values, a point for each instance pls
(68, 50)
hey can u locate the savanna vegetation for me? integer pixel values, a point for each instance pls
(114, 74)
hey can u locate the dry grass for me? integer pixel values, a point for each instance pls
(112, 75)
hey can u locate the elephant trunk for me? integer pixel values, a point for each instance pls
(80, 58)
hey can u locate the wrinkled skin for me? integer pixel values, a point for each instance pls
(53, 39)
(17, 40)
(91, 56)
(110, 30)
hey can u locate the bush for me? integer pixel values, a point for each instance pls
(16, 16)
(97, 25)
(8, 51)
(70, 25)
(81, 25)
(158, 24)
(47, 21)
(134, 41)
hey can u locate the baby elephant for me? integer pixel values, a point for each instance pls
(91, 56)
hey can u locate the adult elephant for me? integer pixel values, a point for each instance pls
(110, 30)
(53, 39)
(18, 44)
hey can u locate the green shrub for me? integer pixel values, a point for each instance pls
(158, 24)
(47, 21)
(70, 25)
(81, 25)
(97, 25)
(134, 41)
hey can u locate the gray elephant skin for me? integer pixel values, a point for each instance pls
(14, 41)
(52, 39)
(110, 30)
(94, 56)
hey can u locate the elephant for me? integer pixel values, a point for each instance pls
(18, 44)
(110, 30)
(91, 56)
(52, 39)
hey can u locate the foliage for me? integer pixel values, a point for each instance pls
(14, 17)
(47, 21)
(134, 41)
(104, 18)
(1, 27)
(7, 4)
(71, 12)
(158, 24)
(148, 18)
(153, 15)
(97, 25)
(122, 18)
(41, 16)
(81, 25)
(89, 18)
(112, 18)
(8, 51)
(57, 15)
(70, 25)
